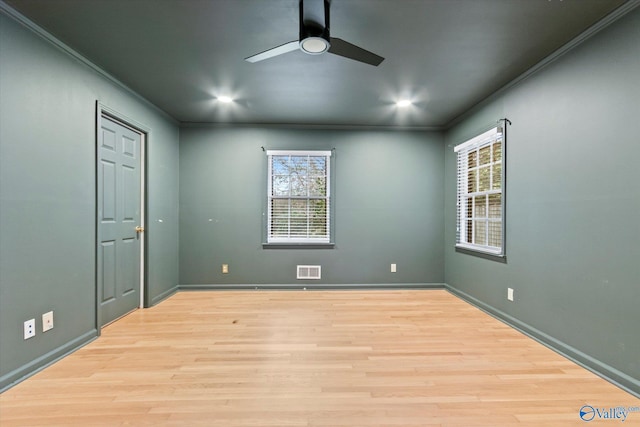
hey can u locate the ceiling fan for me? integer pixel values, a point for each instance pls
(315, 40)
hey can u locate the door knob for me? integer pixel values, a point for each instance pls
(139, 229)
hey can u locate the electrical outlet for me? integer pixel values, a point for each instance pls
(225, 268)
(393, 268)
(47, 321)
(510, 294)
(29, 329)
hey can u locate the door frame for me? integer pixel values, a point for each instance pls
(144, 131)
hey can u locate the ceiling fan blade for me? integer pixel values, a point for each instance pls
(351, 51)
(287, 47)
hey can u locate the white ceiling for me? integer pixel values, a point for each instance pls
(446, 55)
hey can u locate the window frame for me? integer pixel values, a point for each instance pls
(326, 239)
(464, 196)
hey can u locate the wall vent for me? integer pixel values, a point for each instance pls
(308, 272)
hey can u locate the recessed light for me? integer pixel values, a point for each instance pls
(225, 99)
(404, 103)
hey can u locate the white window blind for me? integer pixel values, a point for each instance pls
(299, 197)
(480, 197)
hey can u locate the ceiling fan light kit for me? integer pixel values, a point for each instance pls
(315, 39)
(314, 45)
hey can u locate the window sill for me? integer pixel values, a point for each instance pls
(482, 254)
(284, 245)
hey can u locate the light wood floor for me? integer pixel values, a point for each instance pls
(314, 358)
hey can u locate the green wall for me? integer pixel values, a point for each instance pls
(388, 199)
(573, 202)
(47, 196)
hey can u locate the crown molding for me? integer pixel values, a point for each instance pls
(557, 54)
(312, 126)
(44, 34)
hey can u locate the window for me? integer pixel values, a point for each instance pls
(480, 210)
(299, 197)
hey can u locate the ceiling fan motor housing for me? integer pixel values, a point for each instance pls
(314, 37)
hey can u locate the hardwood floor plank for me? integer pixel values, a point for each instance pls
(315, 358)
